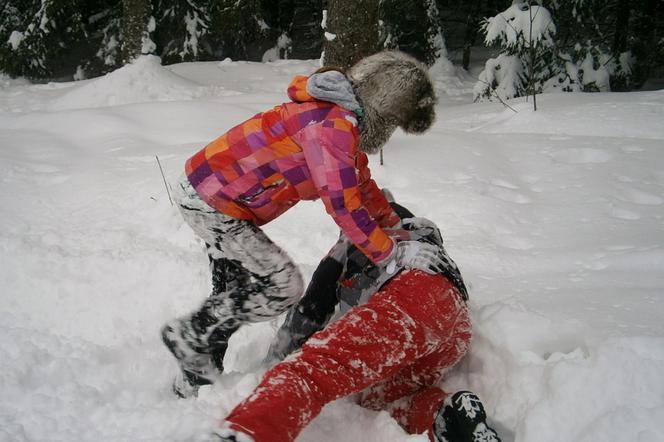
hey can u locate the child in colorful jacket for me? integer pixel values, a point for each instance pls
(312, 147)
(402, 330)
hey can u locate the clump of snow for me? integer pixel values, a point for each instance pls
(323, 22)
(6, 82)
(279, 51)
(15, 39)
(147, 45)
(518, 22)
(506, 72)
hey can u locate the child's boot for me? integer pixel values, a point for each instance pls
(462, 419)
(197, 364)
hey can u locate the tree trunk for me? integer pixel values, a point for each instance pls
(472, 29)
(135, 15)
(622, 22)
(351, 32)
(531, 44)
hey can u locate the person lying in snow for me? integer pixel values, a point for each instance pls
(402, 329)
(312, 147)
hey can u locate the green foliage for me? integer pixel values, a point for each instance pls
(597, 46)
(45, 36)
(616, 39)
(106, 39)
(11, 18)
(412, 26)
(182, 27)
(525, 33)
(597, 43)
(242, 29)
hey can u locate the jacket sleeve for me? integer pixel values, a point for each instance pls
(297, 89)
(329, 148)
(373, 199)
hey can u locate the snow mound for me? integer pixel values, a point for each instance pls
(450, 80)
(533, 368)
(144, 80)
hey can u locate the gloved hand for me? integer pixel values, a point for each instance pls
(415, 255)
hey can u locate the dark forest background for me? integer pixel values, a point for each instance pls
(65, 39)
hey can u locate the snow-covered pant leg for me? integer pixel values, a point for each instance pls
(409, 395)
(253, 279)
(414, 316)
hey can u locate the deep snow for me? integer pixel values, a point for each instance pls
(554, 217)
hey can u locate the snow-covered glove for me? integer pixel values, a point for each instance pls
(415, 255)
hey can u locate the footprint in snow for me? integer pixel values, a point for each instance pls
(581, 156)
(625, 214)
(637, 196)
(509, 195)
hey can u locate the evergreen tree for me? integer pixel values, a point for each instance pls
(46, 39)
(599, 46)
(12, 17)
(647, 40)
(106, 36)
(412, 26)
(525, 34)
(137, 25)
(462, 21)
(181, 30)
(241, 29)
(615, 41)
(592, 44)
(305, 30)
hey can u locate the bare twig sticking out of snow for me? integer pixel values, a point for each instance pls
(168, 192)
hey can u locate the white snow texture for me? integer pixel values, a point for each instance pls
(555, 218)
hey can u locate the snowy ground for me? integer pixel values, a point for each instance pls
(555, 218)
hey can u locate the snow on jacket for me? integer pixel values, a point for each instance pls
(302, 150)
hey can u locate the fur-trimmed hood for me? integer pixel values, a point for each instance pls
(386, 90)
(395, 91)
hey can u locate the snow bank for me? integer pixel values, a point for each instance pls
(545, 382)
(143, 80)
(634, 115)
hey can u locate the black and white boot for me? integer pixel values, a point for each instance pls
(462, 419)
(197, 366)
(228, 435)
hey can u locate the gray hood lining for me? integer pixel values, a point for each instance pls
(333, 86)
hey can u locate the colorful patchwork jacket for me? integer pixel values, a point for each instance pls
(302, 150)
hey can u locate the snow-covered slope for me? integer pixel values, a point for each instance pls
(554, 217)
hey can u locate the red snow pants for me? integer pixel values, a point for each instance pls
(391, 350)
